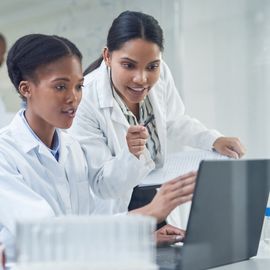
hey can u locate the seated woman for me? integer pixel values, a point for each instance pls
(43, 171)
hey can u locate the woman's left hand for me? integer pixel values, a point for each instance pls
(168, 235)
(229, 146)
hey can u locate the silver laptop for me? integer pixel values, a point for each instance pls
(226, 215)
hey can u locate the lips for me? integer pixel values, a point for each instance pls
(70, 112)
(137, 89)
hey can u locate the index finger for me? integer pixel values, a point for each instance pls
(136, 128)
(188, 175)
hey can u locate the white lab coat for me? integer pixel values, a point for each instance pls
(101, 128)
(34, 185)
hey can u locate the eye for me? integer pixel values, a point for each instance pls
(79, 87)
(60, 87)
(127, 65)
(153, 67)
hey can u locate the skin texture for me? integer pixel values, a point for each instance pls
(53, 96)
(229, 146)
(169, 235)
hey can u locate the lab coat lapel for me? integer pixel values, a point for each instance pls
(117, 124)
(43, 160)
(106, 99)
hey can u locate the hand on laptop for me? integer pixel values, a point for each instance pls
(171, 194)
(229, 146)
(168, 235)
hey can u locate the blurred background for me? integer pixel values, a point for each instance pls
(218, 52)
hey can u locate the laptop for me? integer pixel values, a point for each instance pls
(226, 216)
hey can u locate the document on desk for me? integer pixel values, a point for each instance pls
(178, 164)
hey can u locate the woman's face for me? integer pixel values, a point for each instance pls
(53, 97)
(135, 68)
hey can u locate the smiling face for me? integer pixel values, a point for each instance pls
(54, 95)
(135, 68)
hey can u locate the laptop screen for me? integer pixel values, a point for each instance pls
(227, 213)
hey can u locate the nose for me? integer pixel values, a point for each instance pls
(74, 96)
(140, 77)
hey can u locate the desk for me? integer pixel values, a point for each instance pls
(168, 259)
(252, 264)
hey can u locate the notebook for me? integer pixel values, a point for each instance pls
(226, 215)
(179, 163)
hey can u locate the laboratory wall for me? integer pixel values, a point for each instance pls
(218, 51)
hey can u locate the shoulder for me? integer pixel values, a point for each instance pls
(96, 75)
(7, 137)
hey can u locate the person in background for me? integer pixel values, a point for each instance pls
(43, 170)
(3, 48)
(130, 108)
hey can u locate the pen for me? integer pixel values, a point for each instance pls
(148, 120)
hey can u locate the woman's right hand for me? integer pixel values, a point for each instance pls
(171, 194)
(136, 139)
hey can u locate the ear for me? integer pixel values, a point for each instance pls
(25, 89)
(106, 56)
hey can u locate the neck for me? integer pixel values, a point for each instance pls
(135, 109)
(42, 129)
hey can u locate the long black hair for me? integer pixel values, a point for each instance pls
(32, 51)
(127, 26)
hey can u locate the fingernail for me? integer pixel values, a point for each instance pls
(178, 237)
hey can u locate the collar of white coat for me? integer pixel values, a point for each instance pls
(26, 140)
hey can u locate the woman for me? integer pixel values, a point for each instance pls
(43, 171)
(123, 88)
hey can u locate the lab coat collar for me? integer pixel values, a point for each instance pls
(105, 96)
(25, 139)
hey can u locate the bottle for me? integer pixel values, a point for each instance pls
(266, 232)
(264, 246)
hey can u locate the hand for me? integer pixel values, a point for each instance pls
(171, 194)
(229, 146)
(136, 139)
(168, 235)
(2, 257)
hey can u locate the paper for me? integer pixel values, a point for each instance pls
(178, 164)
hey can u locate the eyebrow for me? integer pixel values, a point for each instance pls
(135, 62)
(65, 79)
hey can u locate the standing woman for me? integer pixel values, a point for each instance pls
(43, 171)
(123, 88)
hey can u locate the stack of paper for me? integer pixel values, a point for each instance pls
(178, 164)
